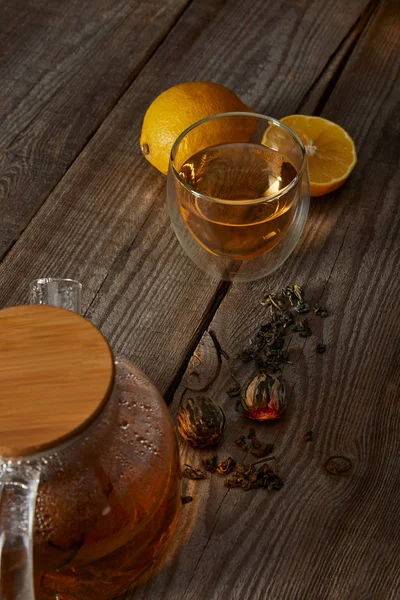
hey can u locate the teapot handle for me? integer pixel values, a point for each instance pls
(18, 487)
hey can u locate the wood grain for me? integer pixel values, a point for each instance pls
(322, 535)
(106, 223)
(63, 66)
(48, 353)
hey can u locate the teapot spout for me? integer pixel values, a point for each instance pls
(64, 293)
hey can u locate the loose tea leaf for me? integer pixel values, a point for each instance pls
(226, 466)
(303, 328)
(262, 450)
(270, 480)
(288, 291)
(321, 311)
(302, 307)
(298, 291)
(252, 436)
(308, 436)
(257, 447)
(190, 472)
(186, 499)
(286, 319)
(244, 469)
(250, 477)
(241, 442)
(273, 300)
(338, 465)
(266, 347)
(272, 361)
(320, 348)
(210, 464)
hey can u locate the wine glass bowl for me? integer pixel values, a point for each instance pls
(238, 194)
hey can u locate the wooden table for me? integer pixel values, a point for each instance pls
(78, 200)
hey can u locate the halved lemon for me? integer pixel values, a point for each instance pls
(331, 152)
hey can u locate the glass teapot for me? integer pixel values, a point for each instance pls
(89, 465)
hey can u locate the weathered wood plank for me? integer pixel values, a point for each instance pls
(63, 66)
(321, 536)
(106, 222)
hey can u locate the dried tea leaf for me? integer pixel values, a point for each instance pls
(298, 292)
(269, 478)
(308, 436)
(248, 478)
(241, 442)
(226, 466)
(186, 499)
(190, 472)
(288, 291)
(302, 307)
(210, 463)
(244, 469)
(303, 328)
(252, 434)
(321, 311)
(262, 450)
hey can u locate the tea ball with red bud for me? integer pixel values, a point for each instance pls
(201, 422)
(263, 398)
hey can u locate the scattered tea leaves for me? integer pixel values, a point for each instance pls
(244, 469)
(338, 465)
(249, 477)
(302, 307)
(321, 311)
(298, 292)
(303, 328)
(186, 499)
(210, 463)
(252, 436)
(241, 442)
(266, 350)
(226, 466)
(258, 449)
(262, 450)
(308, 436)
(190, 472)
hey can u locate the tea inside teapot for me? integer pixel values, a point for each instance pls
(102, 442)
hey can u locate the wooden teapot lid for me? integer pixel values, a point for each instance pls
(56, 373)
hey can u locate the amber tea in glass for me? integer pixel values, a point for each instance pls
(238, 194)
(240, 172)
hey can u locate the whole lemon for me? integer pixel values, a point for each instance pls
(176, 109)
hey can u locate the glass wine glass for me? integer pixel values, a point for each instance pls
(238, 194)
